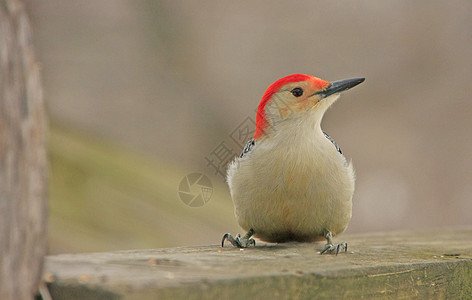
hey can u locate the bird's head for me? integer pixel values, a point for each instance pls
(292, 96)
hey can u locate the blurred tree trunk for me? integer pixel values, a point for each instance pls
(23, 186)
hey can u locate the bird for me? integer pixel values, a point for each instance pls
(292, 181)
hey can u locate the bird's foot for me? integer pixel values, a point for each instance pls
(331, 248)
(334, 249)
(238, 241)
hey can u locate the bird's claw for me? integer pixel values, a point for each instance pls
(244, 242)
(331, 248)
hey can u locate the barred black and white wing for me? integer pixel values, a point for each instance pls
(334, 143)
(248, 147)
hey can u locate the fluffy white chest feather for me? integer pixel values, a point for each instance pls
(293, 185)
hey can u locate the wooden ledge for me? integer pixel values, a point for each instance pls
(420, 264)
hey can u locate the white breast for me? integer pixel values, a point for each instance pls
(293, 184)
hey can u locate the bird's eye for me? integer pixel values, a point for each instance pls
(297, 92)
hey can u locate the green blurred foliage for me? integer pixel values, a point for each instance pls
(105, 198)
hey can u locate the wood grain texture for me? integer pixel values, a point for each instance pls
(406, 265)
(23, 186)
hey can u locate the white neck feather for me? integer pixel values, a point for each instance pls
(297, 125)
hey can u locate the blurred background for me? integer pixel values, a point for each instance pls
(142, 93)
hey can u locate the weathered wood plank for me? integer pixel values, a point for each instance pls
(432, 264)
(23, 167)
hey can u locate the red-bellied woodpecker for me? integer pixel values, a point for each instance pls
(292, 182)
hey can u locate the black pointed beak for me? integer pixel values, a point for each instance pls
(339, 86)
